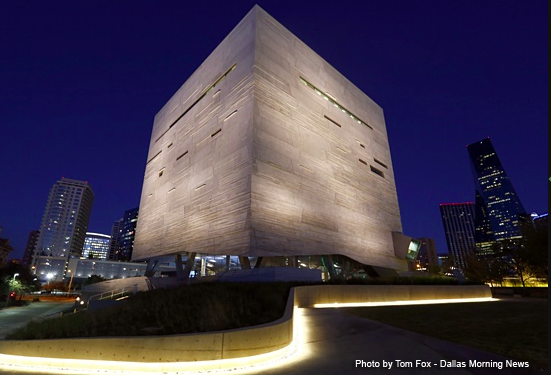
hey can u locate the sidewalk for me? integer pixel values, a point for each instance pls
(335, 341)
(17, 316)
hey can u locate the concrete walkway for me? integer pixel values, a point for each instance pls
(335, 341)
(15, 317)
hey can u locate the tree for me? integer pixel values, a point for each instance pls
(18, 277)
(94, 279)
(533, 253)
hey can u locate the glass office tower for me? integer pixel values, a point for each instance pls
(497, 205)
(458, 221)
(127, 234)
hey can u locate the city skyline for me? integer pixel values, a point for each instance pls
(80, 95)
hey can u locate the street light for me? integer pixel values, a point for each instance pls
(12, 285)
(49, 277)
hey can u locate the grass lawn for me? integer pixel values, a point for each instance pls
(515, 328)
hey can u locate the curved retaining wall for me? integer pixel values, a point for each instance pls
(308, 296)
(236, 343)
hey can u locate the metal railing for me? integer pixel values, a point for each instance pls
(116, 293)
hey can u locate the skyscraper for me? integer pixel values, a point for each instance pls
(127, 234)
(115, 238)
(30, 247)
(458, 220)
(63, 227)
(427, 257)
(269, 154)
(498, 207)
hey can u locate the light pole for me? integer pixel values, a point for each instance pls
(10, 291)
(70, 282)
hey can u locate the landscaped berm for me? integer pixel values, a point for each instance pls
(196, 308)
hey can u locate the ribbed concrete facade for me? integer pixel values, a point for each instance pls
(267, 150)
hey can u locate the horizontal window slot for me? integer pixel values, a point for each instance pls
(360, 143)
(230, 115)
(376, 171)
(362, 161)
(154, 156)
(333, 121)
(171, 190)
(170, 145)
(335, 103)
(216, 132)
(200, 186)
(380, 163)
(198, 99)
(181, 156)
(161, 172)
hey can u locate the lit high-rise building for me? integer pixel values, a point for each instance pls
(96, 246)
(270, 156)
(115, 238)
(427, 257)
(127, 234)
(63, 227)
(30, 248)
(498, 208)
(458, 220)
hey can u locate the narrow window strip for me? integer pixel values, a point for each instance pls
(335, 103)
(230, 115)
(153, 157)
(333, 121)
(380, 163)
(198, 99)
(181, 156)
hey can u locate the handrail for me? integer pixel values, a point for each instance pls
(114, 293)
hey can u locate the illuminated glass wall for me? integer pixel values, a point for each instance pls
(96, 246)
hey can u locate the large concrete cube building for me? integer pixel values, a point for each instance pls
(268, 151)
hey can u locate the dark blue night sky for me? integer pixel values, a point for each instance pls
(80, 84)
